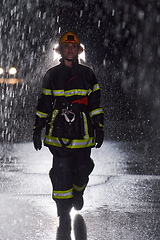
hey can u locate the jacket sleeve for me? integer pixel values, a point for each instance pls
(95, 111)
(45, 103)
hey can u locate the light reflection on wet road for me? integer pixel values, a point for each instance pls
(122, 200)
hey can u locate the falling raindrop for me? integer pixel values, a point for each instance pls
(81, 13)
(99, 23)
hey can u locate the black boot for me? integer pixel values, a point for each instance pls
(78, 200)
(63, 209)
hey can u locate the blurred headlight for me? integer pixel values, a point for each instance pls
(1, 71)
(12, 71)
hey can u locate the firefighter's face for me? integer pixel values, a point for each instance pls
(70, 51)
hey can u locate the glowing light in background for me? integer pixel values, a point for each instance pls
(10, 80)
(12, 71)
(1, 71)
(55, 54)
(82, 55)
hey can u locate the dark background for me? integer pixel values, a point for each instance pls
(122, 44)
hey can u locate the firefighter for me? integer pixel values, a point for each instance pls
(69, 108)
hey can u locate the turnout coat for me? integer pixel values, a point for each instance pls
(69, 107)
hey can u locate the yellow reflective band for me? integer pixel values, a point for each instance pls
(81, 92)
(96, 112)
(89, 91)
(41, 114)
(79, 188)
(58, 92)
(46, 91)
(63, 194)
(96, 87)
(69, 93)
(85, 126)
(54, 114)
(75, 143)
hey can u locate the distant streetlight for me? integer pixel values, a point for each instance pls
(12, 71)
(1, 71)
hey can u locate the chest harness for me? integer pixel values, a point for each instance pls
(69, 113)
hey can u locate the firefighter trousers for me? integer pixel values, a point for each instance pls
(69, 173)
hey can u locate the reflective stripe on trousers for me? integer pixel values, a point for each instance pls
(63, 194)
(68, 193)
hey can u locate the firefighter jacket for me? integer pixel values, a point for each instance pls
(69, 107)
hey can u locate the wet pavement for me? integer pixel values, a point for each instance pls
(122, 200)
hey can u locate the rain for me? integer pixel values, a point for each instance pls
(122, 46)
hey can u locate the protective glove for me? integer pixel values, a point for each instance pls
(37, 140)
(99, 136)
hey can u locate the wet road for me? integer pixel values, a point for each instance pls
(122, 200)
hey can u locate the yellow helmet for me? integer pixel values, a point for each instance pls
(69, 37)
